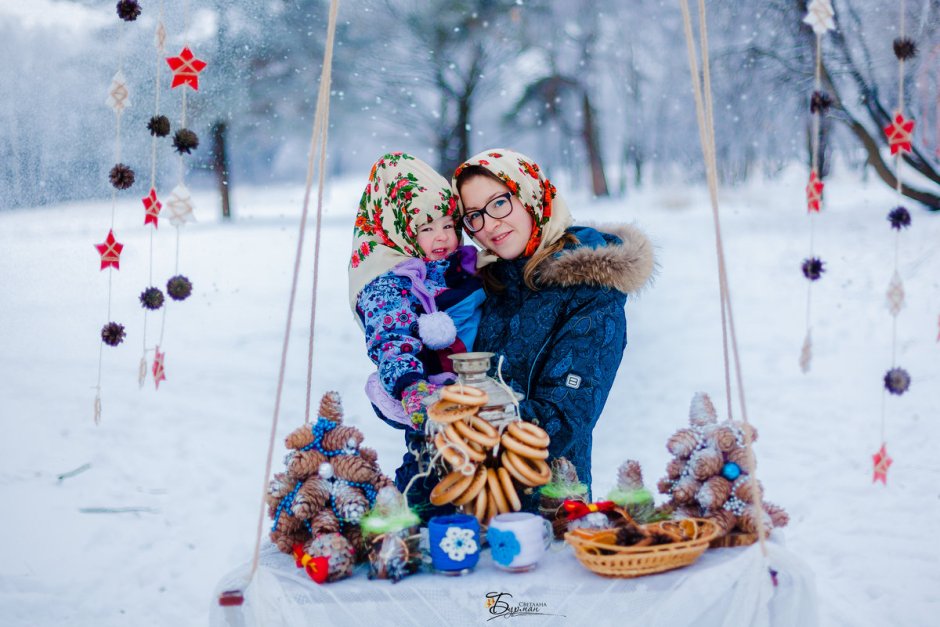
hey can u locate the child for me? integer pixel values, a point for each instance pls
(413, 290)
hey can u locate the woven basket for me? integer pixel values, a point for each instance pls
(598, 552)
(735, 538)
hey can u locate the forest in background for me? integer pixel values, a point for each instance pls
(598, 88)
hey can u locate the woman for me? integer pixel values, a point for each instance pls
(555, 295)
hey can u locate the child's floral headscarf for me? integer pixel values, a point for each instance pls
(524, 178)
(403, 193)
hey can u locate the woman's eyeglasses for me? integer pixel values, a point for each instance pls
(498, 208)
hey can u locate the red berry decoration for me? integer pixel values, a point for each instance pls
(159, 126)
(900, 218)
(179, 287)
(151, 298)
(897, 381)
(121, 176)
(813, 268)
(185, 141)
(112, 333)
(128, 10)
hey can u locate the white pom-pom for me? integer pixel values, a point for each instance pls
(326, 470)
(436, 330)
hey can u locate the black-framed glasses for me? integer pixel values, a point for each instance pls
(497, 208)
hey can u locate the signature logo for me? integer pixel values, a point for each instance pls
(502, 605)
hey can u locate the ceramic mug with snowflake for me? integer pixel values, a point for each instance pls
(454, 543)
(518, 540)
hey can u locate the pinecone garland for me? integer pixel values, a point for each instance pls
(151, 298)
(725, 520)
(121, 176)
(128, 10)
(706, 462)
(112, 333)
(179, 287)
(682, 442)
(702, 411)
(280, 486)
(338, 551)
(630, 475)
(159, 126)
(185, 141)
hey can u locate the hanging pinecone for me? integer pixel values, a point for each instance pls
(331, 407)
(630, 475)
(702, 411)
(185, 141)
(121, 176)
(900, 218)
(706, 462)
(151, 298)
(311, 498)
(820, 102)
(128, 10)
(905, 48)
(682, 442)
(349, 502)
(179, 287)
(813, 268)
(112, 333)
(713, 493)
(159, 126)
(338, 551)
(897, 381)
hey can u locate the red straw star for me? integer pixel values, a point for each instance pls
(814, 191)
(882, 462)
(158, 373)
(186, 69)
(899, 133)
(152, 207)
(110, 251)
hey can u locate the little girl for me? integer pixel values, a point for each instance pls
(413, 290)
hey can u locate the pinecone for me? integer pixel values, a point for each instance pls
(303, 464)
(151, 298)
(331, 407)
(820, 102)
(705, 463)
(338, 551)
(342, 438)
(353, 533)
(350, 502)
(128, 10)
(159, 126)
(900, 218)
(905, 48)
(630, 475)
(675, 467)
(740, 457)
(112, 333)
(121, 176)
(563, 471)
(777, 514)
(369, 455)
(288, 532)
(352, 468)
(280, 486)
(702, 411)
(179, 287)
(380, 481)
(747, 521)
(664, 485)
(713, 493)
(311, 498)
(813, 268)
(749, 430)
(723, 438)
(299, 437)
(324, 521)
(682, 442)
(185, 141)
(684, 490)
(897, 381)
(725, 520)
(747, 489)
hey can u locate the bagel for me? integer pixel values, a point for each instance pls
(450, 453)
(534, 471)
(479, 431)
(528, 433)
(523, 450)
(454, 439)
(509, 490)
(450, 487)
(447, 412)
(465, 395)
(496, 491)
(521, 478)
(479, 480)
(482, 500)
(490, 505)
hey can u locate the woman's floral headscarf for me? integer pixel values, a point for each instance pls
(403, 194)
(524, 178)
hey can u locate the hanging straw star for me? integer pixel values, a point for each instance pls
(881, 461)
(118, 94)
(152, 208)
(110, 251)
(186, 68)
(814, 190)
(158, 371)
(895, 294)
(900, 133)
(820, 16)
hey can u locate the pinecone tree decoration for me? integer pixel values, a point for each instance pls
(337, 550)
(329, 484)
(710, 474)
(632, 495)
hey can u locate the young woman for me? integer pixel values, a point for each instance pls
(555, 295)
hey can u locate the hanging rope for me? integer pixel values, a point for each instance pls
(701, 90)
(317, 140)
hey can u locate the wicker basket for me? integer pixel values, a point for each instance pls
(598, 552)
(735, 538)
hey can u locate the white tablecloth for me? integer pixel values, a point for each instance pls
(725, 587)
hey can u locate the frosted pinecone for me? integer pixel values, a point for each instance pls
(300, 437)
(303, 464)
(713, 493)
(723, 438)
(353, 468)
(777, 514)
(349, 501)
(331, 407)
(706, 463)
(682, 442)
(748, 490)
(311, 498)
(563, 471)
(685, 489)
(343, 438)
(740, 457)
(747, 520)
(338, 551)
(702, 411)
(630, 475)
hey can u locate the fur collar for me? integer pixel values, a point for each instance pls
(627, 267)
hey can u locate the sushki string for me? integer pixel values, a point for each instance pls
(704, 113)
(321, 118)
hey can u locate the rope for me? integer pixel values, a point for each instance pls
(704, 113)
(322, 114)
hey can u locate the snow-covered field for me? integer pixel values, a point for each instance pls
(190, 456)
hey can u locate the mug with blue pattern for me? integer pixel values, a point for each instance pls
(454, 542)
(518, 540)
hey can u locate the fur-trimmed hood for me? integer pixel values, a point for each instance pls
(627, 267)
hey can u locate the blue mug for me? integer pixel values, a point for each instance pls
(454, 542)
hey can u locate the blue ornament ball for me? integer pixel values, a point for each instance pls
(731, 471)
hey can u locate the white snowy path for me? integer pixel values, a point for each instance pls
(192, 454)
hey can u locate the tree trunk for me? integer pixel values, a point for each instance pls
(220, 165)
(591, 145)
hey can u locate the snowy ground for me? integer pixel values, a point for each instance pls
(191, 455)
